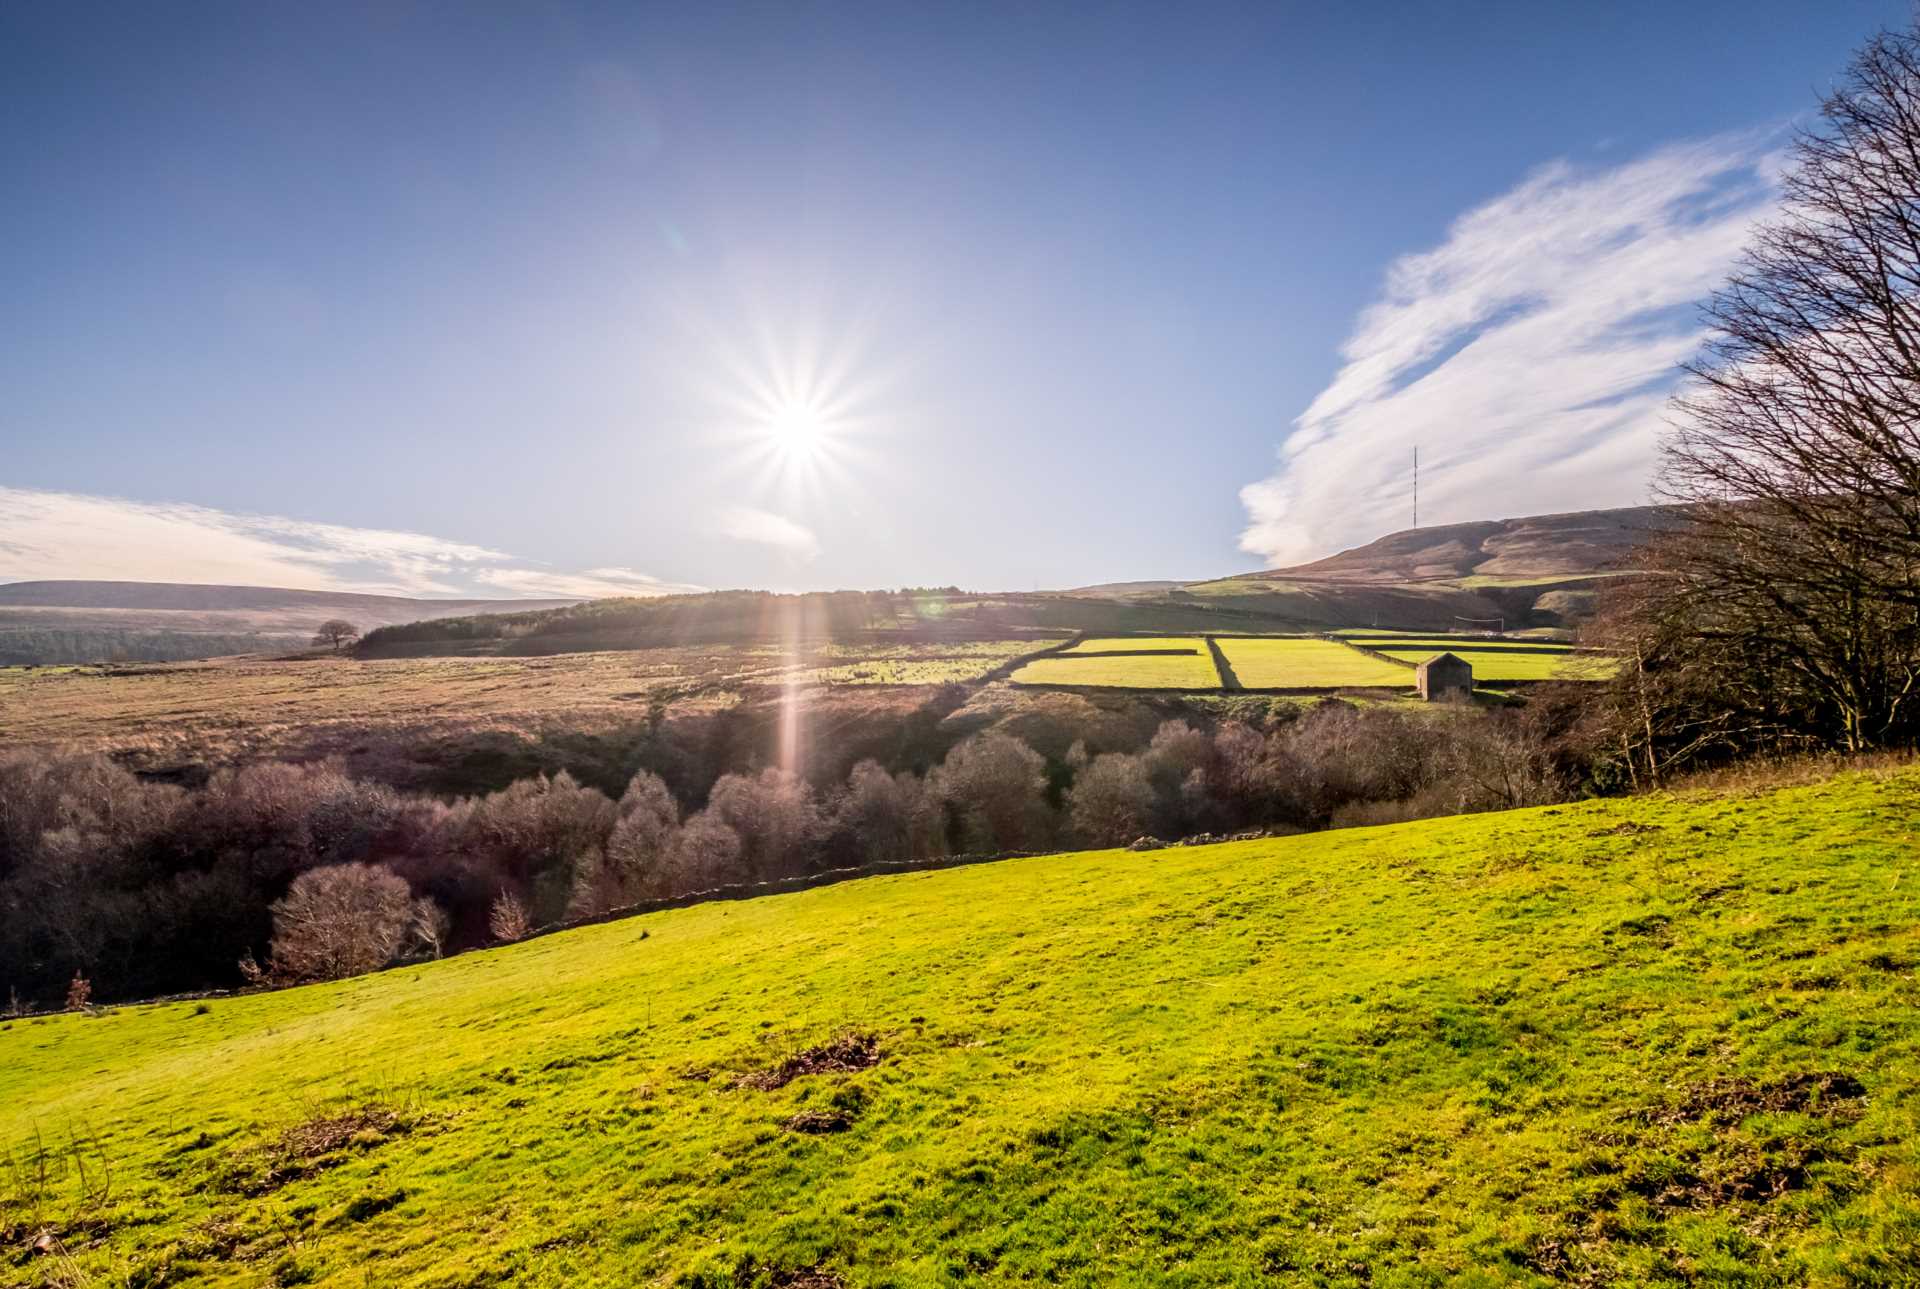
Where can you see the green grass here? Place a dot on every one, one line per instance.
(1307, 664)
(1137, 644)
(1656, 1041)
(1499, 664)
(1150, 671)
(1495, 660)
(1128, 664)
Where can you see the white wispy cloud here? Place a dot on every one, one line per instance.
(589, 584)
(1529, 356)
(59, 535)
(745, 524)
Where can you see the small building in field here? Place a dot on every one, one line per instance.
(1444, 676)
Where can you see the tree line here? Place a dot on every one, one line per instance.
(291, 871)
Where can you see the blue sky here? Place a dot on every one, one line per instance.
(524, 299)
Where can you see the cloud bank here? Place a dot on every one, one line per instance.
(764, 528)
(59, 535)
(1529, 356)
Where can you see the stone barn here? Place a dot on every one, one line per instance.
(1444, 676)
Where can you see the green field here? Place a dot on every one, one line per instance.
(1654, 1041)
(1496, 664)
(1308, 664)
(1137, 644)
(1494, 660)
(1128, 664)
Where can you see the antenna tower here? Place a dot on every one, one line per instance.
(1416, 486)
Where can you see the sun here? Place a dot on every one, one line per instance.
(797, 429)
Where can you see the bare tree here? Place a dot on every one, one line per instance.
(336, 632)
(774, 815)
(337, 921)
(888, 816)
(546, 834)
(429, 927)
(705, 853)
(1797, 446)
(1111, 802)
(507, 920)
(645, 823)
(996, 787)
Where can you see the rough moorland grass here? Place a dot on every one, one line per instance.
(250, 701)
(1124, 662)
(1308, 664)
(1658, 1041)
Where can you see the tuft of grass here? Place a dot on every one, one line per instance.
(1666, 1040)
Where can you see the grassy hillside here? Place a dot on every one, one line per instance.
(853, 617)
(1662, 1040)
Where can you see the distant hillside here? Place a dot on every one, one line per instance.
(761, 617)
(1535, 573)
(89, 621)
(1537, 547)
(1114, 590)
(1539, 572)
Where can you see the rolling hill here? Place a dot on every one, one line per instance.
(95, 621)
(1539, 572)
(1665, 1040)
(1583, 543)
(1534, 573)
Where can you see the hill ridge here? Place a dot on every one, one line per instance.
(1567, 543)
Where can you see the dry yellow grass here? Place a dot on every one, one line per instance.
(243, 707)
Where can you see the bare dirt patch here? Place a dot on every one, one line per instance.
(1627, 829)
(1733, 1099)
(819, 1122)
(843, 1054)
(1743, 1174)
(807, 1278)
(313, 1145)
